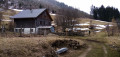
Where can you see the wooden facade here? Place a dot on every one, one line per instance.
(43, 19)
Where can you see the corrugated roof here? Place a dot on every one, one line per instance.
(1, 9)
(29, 13)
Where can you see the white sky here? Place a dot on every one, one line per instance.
(85, 5)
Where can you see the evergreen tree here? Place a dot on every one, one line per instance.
(105, 14)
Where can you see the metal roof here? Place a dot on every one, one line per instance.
(1, 9)
(29, 13)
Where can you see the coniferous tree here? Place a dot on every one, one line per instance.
(105, 14)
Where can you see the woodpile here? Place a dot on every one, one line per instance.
(66, 43)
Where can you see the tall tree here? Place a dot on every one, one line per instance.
(0, 17)
(105, 14)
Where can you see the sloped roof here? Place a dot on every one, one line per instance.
(1, 9)
(29, 13)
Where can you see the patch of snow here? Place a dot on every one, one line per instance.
(11, 7)
(17, 10)
(80, 28)
(52, 14)
(102, 26)
(52, 24)
(7, 20)
(110, 25)
(82, 24)
(99, 28)
(98, 31)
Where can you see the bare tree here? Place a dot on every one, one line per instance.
(67, 19)
(0, 19)
(92, 28)
(118, 25)
(6, 4)
(108, 30)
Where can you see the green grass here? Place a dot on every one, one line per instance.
(97, 37)
(112, 52)
(97, 48)
(26, 47)
(97, 51)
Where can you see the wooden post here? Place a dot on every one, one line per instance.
(66, 32)
(30, 32)
(35, 27)
(21, 31)
(45, 32)
(2, 29)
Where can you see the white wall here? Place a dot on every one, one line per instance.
(26, 30)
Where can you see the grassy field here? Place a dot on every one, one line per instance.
(87, 20)
(98, 41)
(38, 46)
(31, 47)
(23, 47)
(96, 51)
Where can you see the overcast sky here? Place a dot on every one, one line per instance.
(85, 5)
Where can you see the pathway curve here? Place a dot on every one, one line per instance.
(86, 52)
(105, 51)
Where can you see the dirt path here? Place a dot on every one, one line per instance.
(105, 51)
(85, 53)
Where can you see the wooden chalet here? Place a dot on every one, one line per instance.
(33, 21)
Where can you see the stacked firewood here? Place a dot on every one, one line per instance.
(74, 44)
(66, 43)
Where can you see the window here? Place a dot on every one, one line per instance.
(19, 30)
(22, 30)
(40, 22)
(16, 30)
(31, 30)
(49, 23)
(44, 23)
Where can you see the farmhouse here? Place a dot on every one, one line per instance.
(33, 21)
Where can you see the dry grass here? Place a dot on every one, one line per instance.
(114, 40)
(24, 47)
(30, 47)
(8, 13)
(84, 20)
(6, 16)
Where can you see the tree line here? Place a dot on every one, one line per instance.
(105, 13)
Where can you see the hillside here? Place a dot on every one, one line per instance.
(51, 5)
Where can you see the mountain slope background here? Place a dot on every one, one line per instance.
(52, 5)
